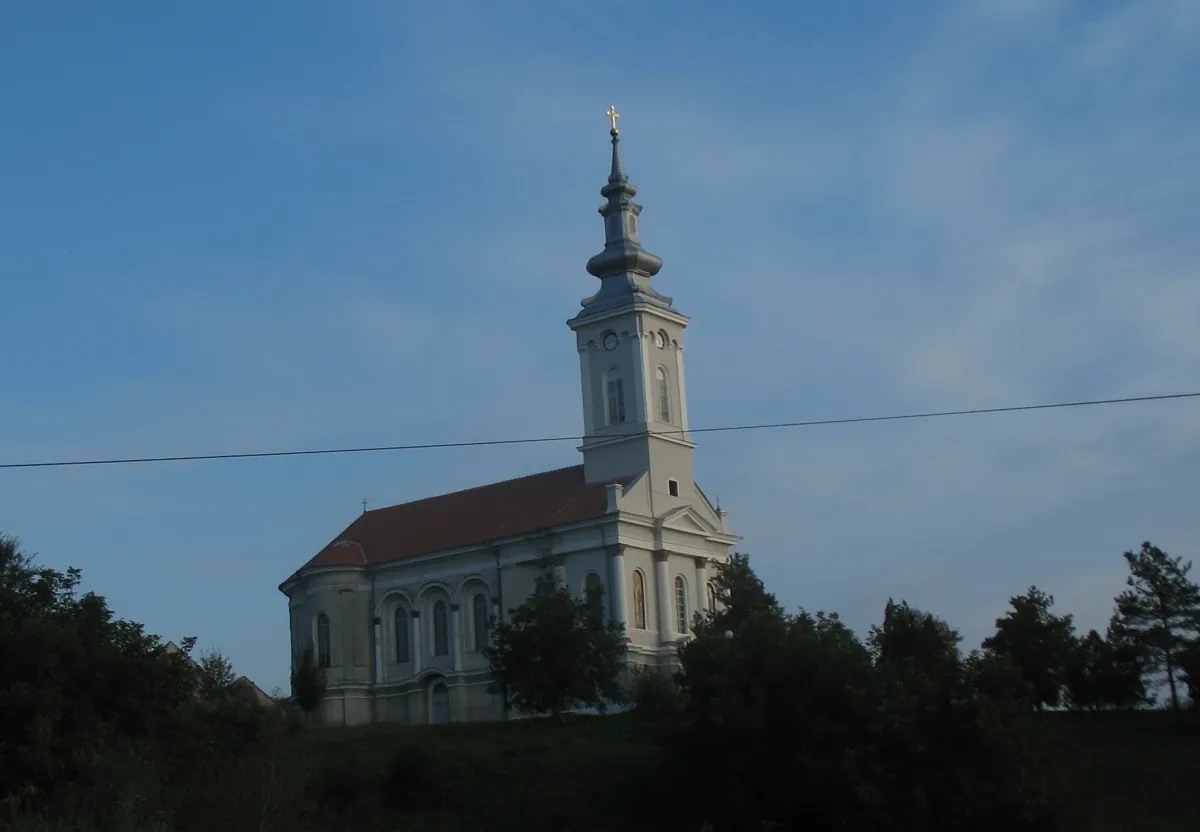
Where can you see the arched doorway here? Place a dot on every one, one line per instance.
(439, 703)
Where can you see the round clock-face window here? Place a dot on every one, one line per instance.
(660, 340)
(610, 340)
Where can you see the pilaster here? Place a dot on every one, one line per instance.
(378, 632)
(662, 591)
(702, 584)
(616, 582)
(683, 412)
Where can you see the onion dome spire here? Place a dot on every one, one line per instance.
(624, 267)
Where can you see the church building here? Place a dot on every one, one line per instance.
(396, 607)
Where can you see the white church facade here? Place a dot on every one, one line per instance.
(396, 606)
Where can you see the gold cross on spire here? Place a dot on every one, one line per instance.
(613, 115)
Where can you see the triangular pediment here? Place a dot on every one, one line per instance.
(686, 519)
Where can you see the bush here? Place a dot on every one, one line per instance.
(339, 786)
(654, 694)
(415, 780)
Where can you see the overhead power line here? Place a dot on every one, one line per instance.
(486, 442)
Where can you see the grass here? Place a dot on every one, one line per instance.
(529, 774)
(1110, 772)
(1125, 771)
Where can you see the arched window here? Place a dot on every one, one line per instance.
(639, 600)
(479, 615)
(401, 633)
(324, 657)
(614, 397)
(664, 395)
(441, 639)
(712, 597)
(681, 616)
(592, 587)
(439, 703)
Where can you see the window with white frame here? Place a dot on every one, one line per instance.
(324, 651)
(639, 600)
(664, 395)
(592, 586)
(479, 618)
(400, 633)
(441, 634)
(614, 398)
(712, 597)
(681, 611)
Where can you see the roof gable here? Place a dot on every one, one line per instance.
(465, 518)
(687, 519)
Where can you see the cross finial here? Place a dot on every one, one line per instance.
(613, 115)
(364, 506)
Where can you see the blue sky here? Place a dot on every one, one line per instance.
(234, 227)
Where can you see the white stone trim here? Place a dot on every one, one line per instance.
(683, 409)
(671, 315)
(585, 375)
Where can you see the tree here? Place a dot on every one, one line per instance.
(803, 725)
(308, 681)
(557, 652)
(1038, 642)
(1160, 611)
(1106, 671)
(740, 595)
(915, 641)
(1189, 667)
(76, 679)
(215, 676)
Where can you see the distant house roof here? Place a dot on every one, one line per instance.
(242, 686)
(465, 518)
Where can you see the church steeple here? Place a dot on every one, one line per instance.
(630, 343)
(624, 267)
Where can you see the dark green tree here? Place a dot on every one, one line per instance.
(1189, 671)
(1160, 611)
(1038, 642)
(800, 725)
(740, 595)
(308, 681)
(1081, 677)
(1106, 672)
(557, 652)
(915, 641)
(75, 680)
(215, 676)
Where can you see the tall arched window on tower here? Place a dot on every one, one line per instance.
(324, 654)
(400, 632)
(681, 612)
(614, 397)
(441, 639)
(479, 613)
(664, 395)
(639, 600)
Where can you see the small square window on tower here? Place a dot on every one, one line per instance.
(673, 487)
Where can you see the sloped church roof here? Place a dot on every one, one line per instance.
(466, 518)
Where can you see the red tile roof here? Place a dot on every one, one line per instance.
(464, 518)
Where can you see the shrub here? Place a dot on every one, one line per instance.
(414, 780)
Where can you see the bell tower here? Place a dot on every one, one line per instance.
(630, 342)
